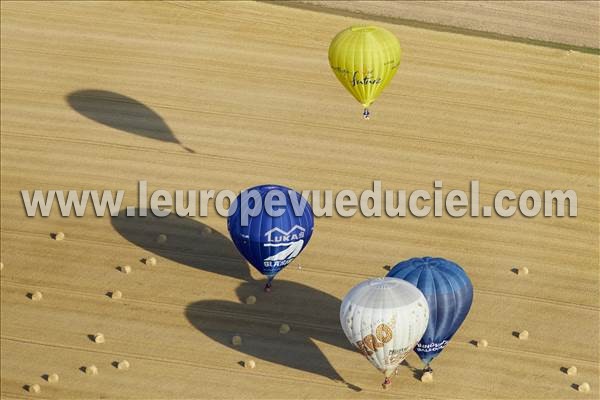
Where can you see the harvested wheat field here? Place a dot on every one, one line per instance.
(99, 95)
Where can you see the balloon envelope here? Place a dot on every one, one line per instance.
(364, 59)
(449, 294)
(269, 242)
(384, 318)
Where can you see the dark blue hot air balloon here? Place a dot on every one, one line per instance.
(449, 294)
(270, 236)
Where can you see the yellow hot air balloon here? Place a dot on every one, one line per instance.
(364, 59)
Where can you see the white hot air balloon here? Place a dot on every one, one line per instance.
(384, 319)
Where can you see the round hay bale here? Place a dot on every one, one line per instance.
(161, 239)
(249, 364)
(251, 300)
(116, 294)
(34, 388)
(126, 269)
(123, 364)
(284, 329)
(36, 296)
(151, 261)
(427, 377)
(482, 343)
(523, 271)
(59, 236)
(91, 370)
(236, 340)
(53, 378)
(584, 387)
(99, 338)
(523, 335)
(572, 370)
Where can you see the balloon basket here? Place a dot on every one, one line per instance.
(268, 285)
(366, 114)
(386, 384)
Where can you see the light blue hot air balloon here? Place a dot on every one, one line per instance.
(270, 242)
(449, 294)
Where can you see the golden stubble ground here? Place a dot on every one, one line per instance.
(248, 90)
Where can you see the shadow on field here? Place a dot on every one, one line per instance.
(311, 314)
(122, 113)
(416, 372)
(188, 242)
